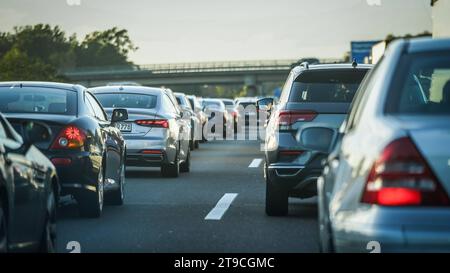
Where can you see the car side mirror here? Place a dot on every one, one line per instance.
(119, 114)
(35, 132)
(317, 138)
(264, 104)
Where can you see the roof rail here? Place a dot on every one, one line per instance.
(305, 65)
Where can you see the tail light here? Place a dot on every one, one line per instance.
(291, 153)
(234, 113)
(402, 177)
(152, 152)
(71, 137)
(287, 117)
(162, 123)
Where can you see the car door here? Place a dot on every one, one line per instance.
(112, 142)
(27, 191)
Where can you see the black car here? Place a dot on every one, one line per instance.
(86, 148)
(29, 190)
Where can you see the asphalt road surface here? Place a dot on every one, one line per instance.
(189, 213)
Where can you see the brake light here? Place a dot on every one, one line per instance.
(291, 152)
(402, 177)
(70, 137)
(152, 152)
(162, 123)
(288, 117)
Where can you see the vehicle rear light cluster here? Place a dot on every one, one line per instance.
(402, 177)
(70, 137)
(162, 123)
(291, 153)
(289, 117)
(152, 152)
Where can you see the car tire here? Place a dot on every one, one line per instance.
(117, 196)
(191, 145)
(185, 167)
(48, 240)
(276, 199)
(326, 241)
(3, 231)
(197, 144)
(171, 169)
(91, 203)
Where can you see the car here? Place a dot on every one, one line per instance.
(217, 114)
(86, 148)
(196, 127)
(246, 113)
(198, 109)
(29, 190)
(312, 94)
(387, 183)
(232, 112)
(155, 133)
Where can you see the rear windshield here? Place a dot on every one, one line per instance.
(183, 102)
(126, 100)
(212, 104)
(245, 104)
(422, 85)
(327, 86)
(228, 103)
(37, 100)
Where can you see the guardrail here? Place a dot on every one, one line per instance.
(228, 66)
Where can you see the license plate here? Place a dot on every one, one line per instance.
(123, 126)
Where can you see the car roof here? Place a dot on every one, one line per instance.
(179, 94)
(417, 45)
(127, 89)
(323, 67)
(56, 85)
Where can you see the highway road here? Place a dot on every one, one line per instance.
(218, 207)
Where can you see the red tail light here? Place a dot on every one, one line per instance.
(152, 152)
(292, 152)
(71, 137)
(162, 123)
(234, 113)
(402, 177)
(287, 117)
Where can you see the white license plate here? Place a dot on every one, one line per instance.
(123, 126)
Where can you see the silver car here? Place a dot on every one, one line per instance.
(155, 133)
(386, 186)
(195, 123)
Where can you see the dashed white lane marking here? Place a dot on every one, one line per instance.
(255, 163)
(221, 207)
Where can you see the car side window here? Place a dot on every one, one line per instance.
(286, 89)
(98, 111)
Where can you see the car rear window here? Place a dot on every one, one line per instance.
(245, 104)
(228, 103)
(422, 85)
(127, 100)
(30, 99)
(338, 86)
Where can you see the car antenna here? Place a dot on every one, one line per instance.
(305, 65)
(354, 63)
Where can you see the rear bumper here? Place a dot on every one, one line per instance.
(394, 229)
(80, 174)
(136, 157)
(298, 180)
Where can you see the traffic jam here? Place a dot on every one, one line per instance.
(350, 157)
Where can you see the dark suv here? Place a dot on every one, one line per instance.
(316, 95)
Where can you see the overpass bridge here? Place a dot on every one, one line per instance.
(249, 73)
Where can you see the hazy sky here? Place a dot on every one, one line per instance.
(208, 30)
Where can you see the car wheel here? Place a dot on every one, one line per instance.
(3, 232)
(171, 169)
(90, 202)
(48, 240)
(185, 167)
(197, 144)
(191, 145)
(276, 199)
(117, 196)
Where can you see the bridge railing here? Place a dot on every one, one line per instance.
(228, 66)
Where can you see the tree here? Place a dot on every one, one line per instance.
(16, 65)
(109, 47)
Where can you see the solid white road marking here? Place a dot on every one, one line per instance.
(221, 207)
(255, 163)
